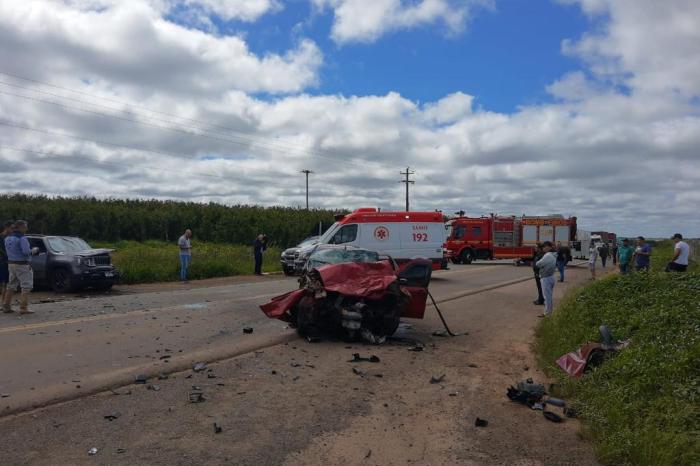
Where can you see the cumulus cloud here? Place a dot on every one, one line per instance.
(245, 10)
(368, 20)
(164, 111)
(131, 44)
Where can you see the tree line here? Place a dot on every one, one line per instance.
(140, 220)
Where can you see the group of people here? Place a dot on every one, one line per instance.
(185, 245)
(547, 259)
(15, 266)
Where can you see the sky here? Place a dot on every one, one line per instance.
(580, 107)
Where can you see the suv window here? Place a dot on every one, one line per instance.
(347, 234)
(37, 243)
(67, 244)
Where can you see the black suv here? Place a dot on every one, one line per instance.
(67, 263)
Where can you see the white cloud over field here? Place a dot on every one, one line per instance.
(171, 112)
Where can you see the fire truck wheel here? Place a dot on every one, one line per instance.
(466, 257)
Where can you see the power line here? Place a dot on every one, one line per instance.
(407, 181)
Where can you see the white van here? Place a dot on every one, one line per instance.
(402, 235)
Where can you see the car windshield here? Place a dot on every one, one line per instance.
(67, 244)
(340, 255)
(325, 238)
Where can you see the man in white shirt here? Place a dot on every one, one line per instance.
(681, 254)
(547, 265)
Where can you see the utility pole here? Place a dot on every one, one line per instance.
(307, 172)
(408, 181)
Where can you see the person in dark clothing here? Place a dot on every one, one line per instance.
(563, 258)
(604, 252)
(614, 250)
(4, 270)
(259, 247)
(536, 257)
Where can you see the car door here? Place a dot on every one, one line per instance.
(39, 261)
(415, 278)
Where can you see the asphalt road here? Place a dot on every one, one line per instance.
(83, 345)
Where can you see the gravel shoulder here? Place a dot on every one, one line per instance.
(301, 403)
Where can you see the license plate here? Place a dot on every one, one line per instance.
(109, 274)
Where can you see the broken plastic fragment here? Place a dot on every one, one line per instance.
(92, 451)
(112, 416)
(217, 428)
(480, 422)
(552, 416)
(437, 379)
(248, 330)
(199, 367)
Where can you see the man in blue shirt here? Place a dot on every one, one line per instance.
(642, 255)
(19, 255)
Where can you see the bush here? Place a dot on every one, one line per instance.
(158, 261)
(641, 406)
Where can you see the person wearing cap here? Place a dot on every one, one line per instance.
(681, 254)
(4, 271)
(19, 254)
(624, 256)
(642, 254)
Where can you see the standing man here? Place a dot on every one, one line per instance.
(547, 265)
(624, 255)
(592, 258)
(537, 255)
(563, 258)
(259, 247)
(614, 250)
(185, 254)
(642, 255)
(19, 254)
(4, 271)
(604, 253)
(681, 254)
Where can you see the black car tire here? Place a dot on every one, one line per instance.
(289, 271)
(466, 256)
(61, 281)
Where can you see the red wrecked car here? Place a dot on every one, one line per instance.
(353, 293)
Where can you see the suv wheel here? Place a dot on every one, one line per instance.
(61, 281)
(466, 257)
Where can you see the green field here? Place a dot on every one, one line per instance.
(641, 406)
(158, 261)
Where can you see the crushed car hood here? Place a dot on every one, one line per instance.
(359, 280)
(93, 252)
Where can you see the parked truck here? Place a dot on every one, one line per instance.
(501, 237)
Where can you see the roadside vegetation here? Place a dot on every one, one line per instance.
(641, 406)
(158, 261)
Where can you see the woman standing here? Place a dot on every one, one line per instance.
(592, 257)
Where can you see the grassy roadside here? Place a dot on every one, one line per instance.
(158, 261)
(643, 405)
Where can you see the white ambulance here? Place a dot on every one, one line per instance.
(402, 235)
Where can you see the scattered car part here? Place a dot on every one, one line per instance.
(526, 392)
(556, 402)
(141, 379)
(357, 358)
(199, 367)
(248, 330)
(217, 428)
(112, 416)
(92, 451)
(570, 412)
(554, 417)
(437, 378)
(480, 422)
(576, 363)
(196, 397)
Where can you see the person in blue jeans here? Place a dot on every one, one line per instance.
(625, 253)
(563, 258)
(259, 247)
(642, 255)
(185, 254)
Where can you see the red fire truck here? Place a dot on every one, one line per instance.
(497, 237)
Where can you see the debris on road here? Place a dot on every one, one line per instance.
(162, 376)
(199, 367)
(92, 451)
(440, 333)
(247, 330)
(416, 349)
(556, 402)
(112, 416)
(357, 358)
(480, 422)
(217, 428)
(526, 392)
(570, 412)
(437, 379)
(141, 379)
(359, 372)
(196, 397)
(153, 387)
(550, 416)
